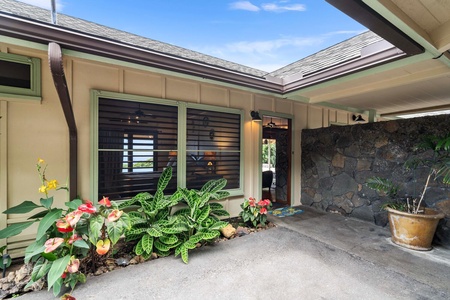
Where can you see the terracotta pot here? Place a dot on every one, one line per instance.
(413, 231)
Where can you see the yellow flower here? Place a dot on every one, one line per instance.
(52, 184)
(43, 189)
(40, 161)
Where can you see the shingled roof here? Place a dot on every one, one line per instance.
(345, 51)
(43, 15)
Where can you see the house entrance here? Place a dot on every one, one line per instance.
(276, 160)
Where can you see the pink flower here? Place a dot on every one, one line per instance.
(263, 211)
(87, 207)
(73, 265)
(264, 202)
(115, 215)
(73, 217)
(103, 246)
(252, 201)
(52, 244)
(63, 226)
(105, 201)
(74, 238)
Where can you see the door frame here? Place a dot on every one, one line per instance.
(291, 175)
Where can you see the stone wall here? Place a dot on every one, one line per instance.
(337, 160)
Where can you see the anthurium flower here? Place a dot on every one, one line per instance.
(263, 211)
(251, 201)
(103, 246)
(105, 201)
(115, 215)
(73, 217)
(87, 207)
(68, 297)
(63, 226)
(52, 244)
(74, 238)
(73, 265)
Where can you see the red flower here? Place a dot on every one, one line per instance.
(252, 201)
(263, 211)
(64, 275)
(63, 226)
(87, 207)
(68, 297)
(105, 201)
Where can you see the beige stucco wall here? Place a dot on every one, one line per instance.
(31, 129)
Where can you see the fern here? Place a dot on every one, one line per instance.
(383, 185)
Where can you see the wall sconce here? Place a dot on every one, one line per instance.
(255, 116)
(358, 118)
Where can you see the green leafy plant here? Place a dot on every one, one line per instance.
(200, 217)
(152, 225)
(68, 238)
(255, 213)
(437, 163)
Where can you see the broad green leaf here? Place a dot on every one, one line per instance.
(204, 214)
(220, 213)
(219, 195)
(183, 211)
(153, 231)
(138, 249)
(36, 269)
(57, 287)
(196, 238)
(14, 229)
(74, 204)
(128, 203)
(162, 253)
(32, 250)
(146, 255)
(57, 270)
(161, 246)
(49, 256)
(38, 215)
(215, 206)
(190, 245)
(213, 186)
(184, 254)
(147, 243)
(47, 222)
(218, 225)
(81, 244)
(47, 202)
(169, 239)
(22, 208)
(95, 226)
(115, 231)
(211, 234)
(164, 178)
(137, 231)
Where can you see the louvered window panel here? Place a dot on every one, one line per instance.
(212, 148)
(136, 141)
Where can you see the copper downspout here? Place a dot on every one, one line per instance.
(57, 70)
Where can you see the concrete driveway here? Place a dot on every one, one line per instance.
(307, 256)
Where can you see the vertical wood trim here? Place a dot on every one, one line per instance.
(3, 166)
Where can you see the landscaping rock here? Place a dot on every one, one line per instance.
(228, 231)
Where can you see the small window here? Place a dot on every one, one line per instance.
(19, 75)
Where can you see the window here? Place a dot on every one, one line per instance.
(137, 138)
(19, 75)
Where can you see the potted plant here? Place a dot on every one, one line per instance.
(412, 225)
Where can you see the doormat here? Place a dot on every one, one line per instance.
(285, 211)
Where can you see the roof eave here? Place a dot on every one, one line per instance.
(44, 33)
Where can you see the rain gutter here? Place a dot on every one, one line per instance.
(59, 79)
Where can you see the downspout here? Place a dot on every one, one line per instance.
(59, 79)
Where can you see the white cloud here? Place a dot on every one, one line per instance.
(244, 5)
(277, 8)
(265, 47)
(44, 3)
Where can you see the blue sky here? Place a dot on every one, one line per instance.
(264, 34)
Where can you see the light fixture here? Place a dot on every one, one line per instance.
(255, 116)
(358, 118)
(271, 124)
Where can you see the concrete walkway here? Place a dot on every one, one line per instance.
(307, 256)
